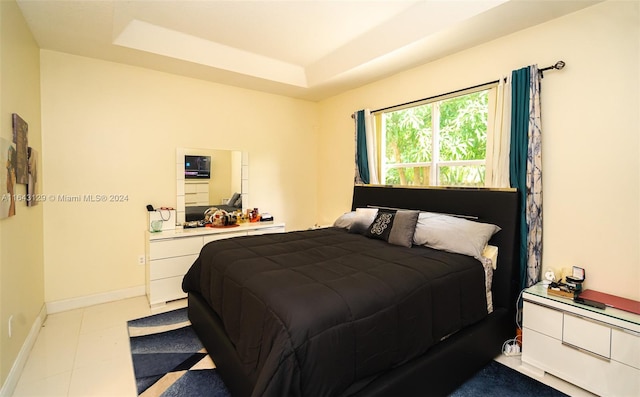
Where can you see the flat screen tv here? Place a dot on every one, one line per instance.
(197, 167)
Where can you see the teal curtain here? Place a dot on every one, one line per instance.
(525, 169)
(518, 155)
(362, 160)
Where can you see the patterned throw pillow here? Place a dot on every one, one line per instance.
(381, 226)
(395, 227)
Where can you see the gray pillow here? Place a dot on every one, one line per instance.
(233, 199)
(404, 226)
(345, 220)
(453, 234)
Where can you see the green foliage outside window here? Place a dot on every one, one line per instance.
(461, 133)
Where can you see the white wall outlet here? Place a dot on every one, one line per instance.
(141, 260)
(10, 325)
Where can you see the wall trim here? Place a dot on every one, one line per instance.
(9, 386)
(90, 300)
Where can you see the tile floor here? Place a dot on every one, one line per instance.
(85, 352)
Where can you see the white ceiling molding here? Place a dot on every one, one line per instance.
(147, 37)
(309, 49)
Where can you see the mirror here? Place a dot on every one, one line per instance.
(198, 190)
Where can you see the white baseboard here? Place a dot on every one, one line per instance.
(90, 300)
(11, 382)
(55, 307)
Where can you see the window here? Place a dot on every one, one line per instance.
(438, 143)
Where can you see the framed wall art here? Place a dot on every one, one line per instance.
(20, 131)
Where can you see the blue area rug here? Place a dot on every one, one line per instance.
(499, 380)
(169, 361)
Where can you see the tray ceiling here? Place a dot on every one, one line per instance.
(310, 49)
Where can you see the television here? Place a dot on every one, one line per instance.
(197, 167)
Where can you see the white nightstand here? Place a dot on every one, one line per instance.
(596, 349)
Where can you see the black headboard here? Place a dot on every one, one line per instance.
(499, 207)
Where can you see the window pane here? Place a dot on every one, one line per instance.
(463, 127)
(408, 135)
(462, 175)
(411, 176)
(458, 128)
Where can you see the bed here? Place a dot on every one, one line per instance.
(335, 312)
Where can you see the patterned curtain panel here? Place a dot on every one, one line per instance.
(534, 181)
(525, 168)
(366, 152)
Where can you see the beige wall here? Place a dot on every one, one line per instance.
(21, 246)
(113, 129)
(591, 131)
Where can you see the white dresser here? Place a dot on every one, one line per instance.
(170, 253)
(596, 349)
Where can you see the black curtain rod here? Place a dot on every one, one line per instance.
(435, 96)
(558, 65)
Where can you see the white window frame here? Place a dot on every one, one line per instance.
(435, 164)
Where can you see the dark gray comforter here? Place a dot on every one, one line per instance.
(314, 312)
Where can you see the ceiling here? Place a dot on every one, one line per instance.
(309, 49)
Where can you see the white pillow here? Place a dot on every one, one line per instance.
(363, 219)
(452, 234)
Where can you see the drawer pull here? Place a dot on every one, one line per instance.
(628, 331)
(596, 355)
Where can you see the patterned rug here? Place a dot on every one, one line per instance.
(169, 361)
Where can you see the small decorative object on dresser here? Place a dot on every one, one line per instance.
(596, 349)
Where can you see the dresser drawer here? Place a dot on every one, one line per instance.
(542, 319)
(625, 347)
(174, 247)
(222, 236)
(586, 334)
(165, 290)
(170, 267)
(269, 230)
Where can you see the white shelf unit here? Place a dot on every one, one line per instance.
(595, 349)
(170, 254)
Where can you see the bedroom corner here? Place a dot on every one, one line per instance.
(21, 235)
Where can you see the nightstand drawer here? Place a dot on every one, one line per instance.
(542, 319)
(625, 347)
(586, 334)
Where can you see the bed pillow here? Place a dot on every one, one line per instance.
(345, 220)
(449, 233)
(238, 202)
(233, 199)
(362, 220)
(395, 227)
